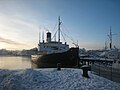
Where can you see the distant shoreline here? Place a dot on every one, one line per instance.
(15, 55)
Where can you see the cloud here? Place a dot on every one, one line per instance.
(8, 41)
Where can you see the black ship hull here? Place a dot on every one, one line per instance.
(69, 58)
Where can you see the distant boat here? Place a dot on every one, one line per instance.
(113, 54)
(50, 53)
(110, 57)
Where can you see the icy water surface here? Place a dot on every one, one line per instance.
(13, 62)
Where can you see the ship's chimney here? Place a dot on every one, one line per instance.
(48, 37)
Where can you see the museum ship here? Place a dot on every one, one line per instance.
(50, 53)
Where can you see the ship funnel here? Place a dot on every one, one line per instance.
(48, 37)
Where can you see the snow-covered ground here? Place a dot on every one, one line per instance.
(51, 79)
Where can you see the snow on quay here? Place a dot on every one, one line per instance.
(51, 79)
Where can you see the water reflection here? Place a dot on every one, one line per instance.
(11, 62)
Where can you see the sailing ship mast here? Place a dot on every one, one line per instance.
(59, 23)
(110, 36)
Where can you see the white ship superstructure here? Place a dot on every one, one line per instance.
(52, 46)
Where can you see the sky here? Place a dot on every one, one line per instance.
(84, 21)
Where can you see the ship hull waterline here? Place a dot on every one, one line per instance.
(67, 59)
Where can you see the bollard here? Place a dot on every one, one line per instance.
(58, 66)
(85, 69)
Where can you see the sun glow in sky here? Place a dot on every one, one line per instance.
(87, 21)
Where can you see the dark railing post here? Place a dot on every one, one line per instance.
(58, 66)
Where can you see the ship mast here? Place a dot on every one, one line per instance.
(110, 37)
(59, 23)
(39, 37)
